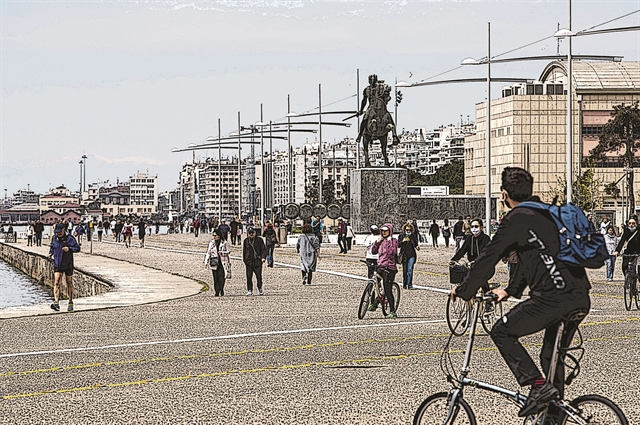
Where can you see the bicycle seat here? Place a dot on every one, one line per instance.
(575, 315)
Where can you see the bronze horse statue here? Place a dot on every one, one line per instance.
(377, 121)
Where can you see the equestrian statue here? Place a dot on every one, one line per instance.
(377, 121)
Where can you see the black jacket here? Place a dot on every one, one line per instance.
(270, 236)
(234, 227)
(633, 247)
(457, 228)
(472, 246)
(253, 251)
(534, 237)
(407, 247)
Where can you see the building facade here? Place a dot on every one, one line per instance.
(143, 194)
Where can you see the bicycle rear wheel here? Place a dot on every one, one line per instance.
(491, 313)
(365, 300)
(434, 410)
(595, 409)
(386, 309)
(458, 315)
(636, 294)
(628, 281)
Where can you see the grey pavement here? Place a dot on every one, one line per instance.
(134, 284)
(297, 355)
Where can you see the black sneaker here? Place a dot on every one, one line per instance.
(55, 307)
(538, 399)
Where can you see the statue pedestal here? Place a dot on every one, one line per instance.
(378, 196)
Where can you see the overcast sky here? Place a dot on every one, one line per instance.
(124, 82)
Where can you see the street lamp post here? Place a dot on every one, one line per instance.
(289, 173)
(219, 175)
(357, 109)
(320, 141)
(84, 167)
(239, 173)
(262, 174)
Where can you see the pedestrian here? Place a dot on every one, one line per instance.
(38, 229)
(233, 226)
(350, 235)
(341, 229)
(271, 240)
(370, 257)
(78, 232)
(466, 227)
(181, 226)
(142, 231)
(458, 233)
(63, 245)
(408, 244)
(318, 227)
(117, 230)
(224, 231)
(434, 232)
(604, 225)
(127, 232)
(107, 226)
(446, 232)
(254, 254)
(217, 259)
(612, 243)
(387, 249)
(196, 227)
(239, 233)
(30, 233)
(100, 230)
(308, 247)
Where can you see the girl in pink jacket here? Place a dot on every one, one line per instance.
(387, 249)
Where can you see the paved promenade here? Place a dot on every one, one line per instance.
(297, 355)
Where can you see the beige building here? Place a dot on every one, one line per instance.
(528, 125)
(143, 194)
(58, 196)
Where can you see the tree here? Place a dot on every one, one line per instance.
(451, 175)
(587, 190)
(621, 136)
(328, 192)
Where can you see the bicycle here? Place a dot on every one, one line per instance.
(374, 294)
(459, 313)
(447, 408)
(631, 283)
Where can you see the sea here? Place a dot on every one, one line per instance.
(18, 289)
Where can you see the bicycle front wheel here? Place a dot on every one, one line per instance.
(636, 294)
(365, 300)
(595, 409)
(386, 308)
(491, 313)
(628, 284)
(434, 411)
(458, 315)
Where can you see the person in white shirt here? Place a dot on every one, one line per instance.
(371, 258)
(611, 240)
(604, 225)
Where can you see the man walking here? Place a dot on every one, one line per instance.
(224, 230)
(38, 228)
(63, 245)
(342, 236)
(254, 254)
(458, 233)
(234, 231)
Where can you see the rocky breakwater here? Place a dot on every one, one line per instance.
(40, 267)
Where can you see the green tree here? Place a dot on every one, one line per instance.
(451, 175)
(621, 136)
(587, 190)
(328, 191)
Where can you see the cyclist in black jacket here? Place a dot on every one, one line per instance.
(632, 239)
(556, 288)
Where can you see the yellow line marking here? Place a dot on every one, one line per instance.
(125, 384)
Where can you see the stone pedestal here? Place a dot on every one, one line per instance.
(378, 196)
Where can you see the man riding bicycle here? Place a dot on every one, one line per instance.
(631, 238)
(556, 289)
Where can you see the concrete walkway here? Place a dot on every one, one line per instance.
(133, 285)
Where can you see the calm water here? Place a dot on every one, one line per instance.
(18, 289)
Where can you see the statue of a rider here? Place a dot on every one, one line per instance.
(377, 118)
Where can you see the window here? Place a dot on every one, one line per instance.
(530, 89)
(538, 88)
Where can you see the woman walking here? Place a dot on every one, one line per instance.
(446, 232)
(142, 231)
(271, 240)
(30, 233)
(215, 259)
(309, 249)
(434, 231)
(127, 231)
(100, 231)
(408, 244)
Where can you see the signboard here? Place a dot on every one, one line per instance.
(426, 191)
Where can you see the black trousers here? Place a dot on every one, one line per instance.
(349, 240)
(388, 277)
(251, 270)
(233, 238)
(530, 317)
(308, 275)
(371, 267)
(342, 243)
(218, 280)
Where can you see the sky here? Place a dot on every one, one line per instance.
(124, 82)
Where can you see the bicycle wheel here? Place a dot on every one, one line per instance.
(458, 316)
(491, 313)
(395, 289)
(364, 301)
(434, 410)
(595, 409)
(628, 281)
(636, 294)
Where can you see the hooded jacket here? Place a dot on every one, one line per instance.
(387, 250)
(56, 251)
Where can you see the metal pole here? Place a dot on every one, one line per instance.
(239, 174)
(320, 139)
(488, 138)
(271, 170)
(80, 188)
(262, 185)
(289, 173)
(358, 109)
(334, 169)
(84, 166)
(395, 116)
(219, 174)
(569, 118)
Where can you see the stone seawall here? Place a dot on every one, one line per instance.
(40, 267)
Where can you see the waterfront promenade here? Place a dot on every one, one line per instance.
(297, 355)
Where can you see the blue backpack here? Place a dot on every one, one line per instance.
(580, 244)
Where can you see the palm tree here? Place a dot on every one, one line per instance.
(621, 135)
